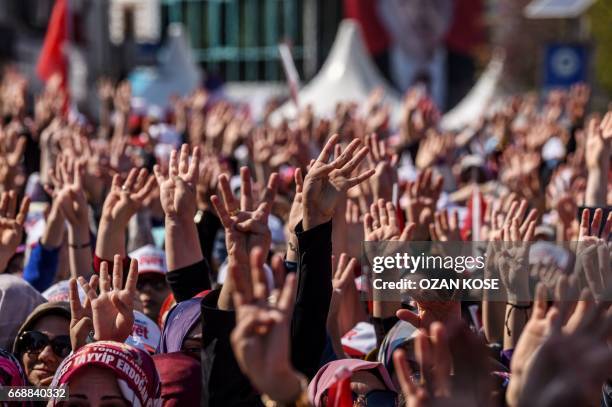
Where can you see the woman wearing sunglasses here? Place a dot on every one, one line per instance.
(43, 341)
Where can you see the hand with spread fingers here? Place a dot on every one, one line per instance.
(113, 308)
(512, 259)
(452, 369)
(178, 194)
(69, 195)
(11, 225)
(593, 253)
(385, 171)
(245, 224)
(260, 339)
(445, 228)
(325, 183)
(423, 194)
(570, 365)
(121, 203)
(381, 224)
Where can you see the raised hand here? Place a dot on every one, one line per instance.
(445, 229)
(382, 224)
(124, 200)
(384, 164)
(606, 126)
(11, 225)
(295, 216)
(113, 308)
(593, 253)
(260, 339)
(12, 147)
(67, 182)
(574, 375)
(437, 352)
(326, 183)
(423, 194)
(81, 322)
(178, 188)
(245, 224)
(512, 259)
(344, 309)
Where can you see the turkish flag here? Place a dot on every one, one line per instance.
(52, 58)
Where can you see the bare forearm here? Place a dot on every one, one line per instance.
(110, 241)
(516, 317)
(54, 230)
(79, 252)
(493, 320)
(182, 244)
(595, 194)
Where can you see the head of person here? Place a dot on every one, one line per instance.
(43, 341)
(181, 378)
(152, 286)
(17, 300)
(183, 329)
(109, 373)
(370, 383)
(11, 373)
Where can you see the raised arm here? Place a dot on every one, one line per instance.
(122, 202)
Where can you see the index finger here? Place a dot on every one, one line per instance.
(132, 278)
(328, 149)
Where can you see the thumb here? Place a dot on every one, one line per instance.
(409, 316)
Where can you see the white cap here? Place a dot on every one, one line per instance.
(145, 333)
(150, 259)
(60, 291)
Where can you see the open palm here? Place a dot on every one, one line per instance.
(113, 308)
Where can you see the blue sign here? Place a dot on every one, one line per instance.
(566, 64)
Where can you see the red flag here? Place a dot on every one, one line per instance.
(339, 394)
(52, 59)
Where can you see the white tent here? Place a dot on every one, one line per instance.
(479, 98)
(347, 75)
(176, 74)
(557, 8)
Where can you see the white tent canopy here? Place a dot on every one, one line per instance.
(479, 98)
(557, 8)
(347, 75)
(176, 74)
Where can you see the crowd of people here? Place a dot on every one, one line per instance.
(191, 255)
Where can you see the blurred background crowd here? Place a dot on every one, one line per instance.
(183, 200)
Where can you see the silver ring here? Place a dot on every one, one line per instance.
(124, 188)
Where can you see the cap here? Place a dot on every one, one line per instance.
(145, 333)
(150, 259)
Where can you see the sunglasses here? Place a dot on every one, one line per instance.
(35, 342)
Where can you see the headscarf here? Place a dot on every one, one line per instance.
(181, 378)
(48, 308)
(181, 319)
(326, 376)
(11, 373)
(401, 333)
(134, 368)
(17, 300)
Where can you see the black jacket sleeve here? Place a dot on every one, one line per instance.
(308, 327)
(208, 224)
(223, 382)
(188, 281)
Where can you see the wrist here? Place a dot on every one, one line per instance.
(312, 220)
(285, 388)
